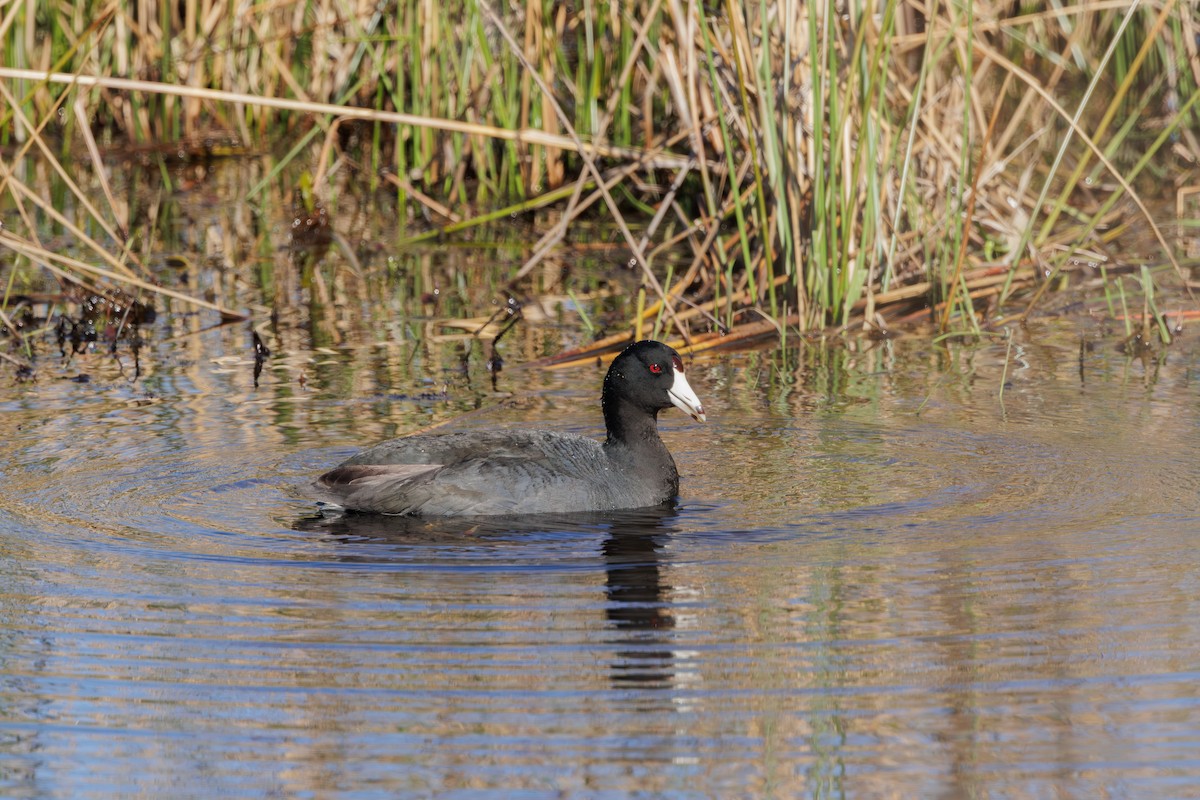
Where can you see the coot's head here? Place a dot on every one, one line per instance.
(650, 376)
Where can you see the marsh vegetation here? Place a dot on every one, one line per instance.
(757, 168)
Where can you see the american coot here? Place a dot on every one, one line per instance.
(532, 472)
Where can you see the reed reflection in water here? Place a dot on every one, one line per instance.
(870, 588)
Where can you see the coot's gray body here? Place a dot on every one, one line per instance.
(532, 472)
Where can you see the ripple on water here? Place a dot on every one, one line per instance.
(862, 602)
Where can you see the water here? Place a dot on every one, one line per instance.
(898, 569)
(886, 578)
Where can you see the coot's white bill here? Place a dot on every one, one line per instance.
(683, 398)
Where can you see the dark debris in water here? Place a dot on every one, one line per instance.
(311, 229)
(76, 321)
(117, 307)
(203, 147)
(511, 312)
(261, 354)
(310, 217)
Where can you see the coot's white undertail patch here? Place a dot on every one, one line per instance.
(532, 472)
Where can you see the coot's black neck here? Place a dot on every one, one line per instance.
(628, 423)
(633, 440)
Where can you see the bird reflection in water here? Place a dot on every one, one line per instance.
(638, 605)
(637, 598)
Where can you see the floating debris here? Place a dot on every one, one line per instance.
(310, 217)
(75, 320)
(261, 354)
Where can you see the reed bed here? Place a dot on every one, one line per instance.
(820, 165)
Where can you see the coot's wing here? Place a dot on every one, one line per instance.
(480, 472)
(381, 488)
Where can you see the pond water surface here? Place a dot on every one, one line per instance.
(897, 568)
(886, 577)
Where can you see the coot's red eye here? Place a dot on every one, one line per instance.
(656, 368)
